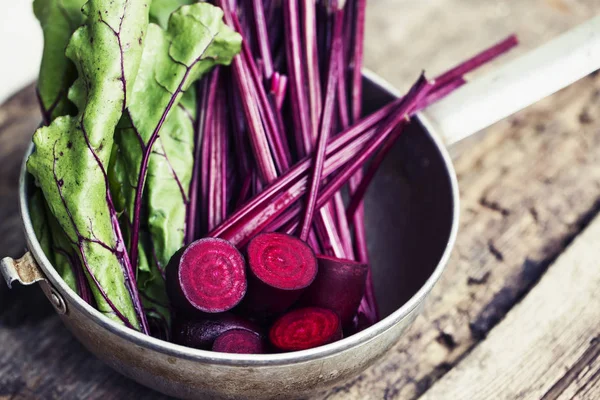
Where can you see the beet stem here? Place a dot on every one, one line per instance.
(247, 88)
(341, 141)
(326, 122)
(296, 73)
(217, 176)
(346, 140)
(478, 60)
(206, 146)
(312, 62)
(262, 217)
(262, 37)
(361, 190)
(192, 209)
(135, 224)
(359, 34)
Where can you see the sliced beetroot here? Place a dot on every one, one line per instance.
(201, 333)
(339, 286)
(281, 267)
(239, 341)
(305, 328)
(208, 275)
(281, 261)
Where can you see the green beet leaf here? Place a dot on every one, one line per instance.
(39, 220)
(160, 10)
(72, 154)
(58, 19)
(151, 283)
(56, 246)
(157, 139)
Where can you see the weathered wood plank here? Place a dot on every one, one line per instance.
(404, 36)
(527, 188)
(548, 346)
(582, 380)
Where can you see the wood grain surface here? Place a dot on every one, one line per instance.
(548, 346)
(529, 185)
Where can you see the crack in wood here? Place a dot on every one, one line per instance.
(573, 373)
(495, 251)
(493, 206)
(482, 280)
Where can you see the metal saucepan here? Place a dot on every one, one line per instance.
(412, 220)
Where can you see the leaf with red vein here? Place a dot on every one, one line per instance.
(171, 63)
(72, 154)
(58, 19)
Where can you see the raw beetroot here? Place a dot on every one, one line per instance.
(339, 286)
(239, 341)
(280, 267)
(305, 328)
(208, 275)
(202, 332)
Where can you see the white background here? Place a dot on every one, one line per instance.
(436, 41)
(20, 46)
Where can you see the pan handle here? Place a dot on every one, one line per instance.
(517, 84)
(26, 271)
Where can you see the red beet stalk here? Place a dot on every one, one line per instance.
(280, 268)
(268, 212)
(305, 328)
(200, 147)
(239, 341)
(297, 78)
(262, 37)
(209, 275)
(216, 200)
(311, 57)
(444, 85)
(234, 227)
(339, 286)
(325, 125)
(479, 59)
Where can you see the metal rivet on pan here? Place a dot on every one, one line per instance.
(57, 302)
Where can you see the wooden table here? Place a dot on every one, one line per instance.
(516, 314)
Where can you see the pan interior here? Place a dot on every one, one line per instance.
(408, 211)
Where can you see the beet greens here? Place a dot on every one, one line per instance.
(72, 154)
(58, 19)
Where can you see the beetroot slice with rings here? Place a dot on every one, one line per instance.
(208, 275)
(239, 341)
(280, 268)
(305, 328)
(281, 261)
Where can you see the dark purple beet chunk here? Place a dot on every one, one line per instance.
(239, 341)
(339, 286)
(201, 333)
